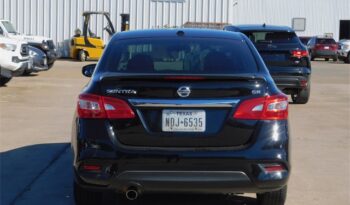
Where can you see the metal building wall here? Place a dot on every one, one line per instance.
(59, 18)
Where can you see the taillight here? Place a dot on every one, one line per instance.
(334, 47)
(319, 46)
(300, 53)
(91, 167)
(264, 108)
(94, 106)
(271, 168)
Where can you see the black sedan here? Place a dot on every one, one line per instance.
(182, 111)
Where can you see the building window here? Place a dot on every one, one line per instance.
(299, 24)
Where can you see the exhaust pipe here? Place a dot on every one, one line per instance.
(132, 193)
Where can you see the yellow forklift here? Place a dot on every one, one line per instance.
(87, 45)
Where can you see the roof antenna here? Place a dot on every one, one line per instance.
(264, 25)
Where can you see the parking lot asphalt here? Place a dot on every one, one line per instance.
(35, 121)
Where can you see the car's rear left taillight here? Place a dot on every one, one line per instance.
(264, 108)
(300, 53)
(95, 106)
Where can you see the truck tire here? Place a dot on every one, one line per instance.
(273, 198)
(302, 96)
(326, 59)
(335, 59)
(85, 197)
(82, 56)
(4, 80)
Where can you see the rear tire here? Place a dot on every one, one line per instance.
(326, 59)
(4, 80)
(82, 56)
(85, 197)
(273, 198)
(302, 96)
(335, 59)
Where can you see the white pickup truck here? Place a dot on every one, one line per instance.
(14, 58)
(43, 43)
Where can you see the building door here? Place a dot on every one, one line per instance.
(344, 30)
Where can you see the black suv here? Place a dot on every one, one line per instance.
(285, 56)
(190, 111)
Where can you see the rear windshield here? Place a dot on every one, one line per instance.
(325, 41)
(178, 55)
(304, 40)
(263, 37)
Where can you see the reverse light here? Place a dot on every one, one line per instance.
(95, 106)
(264, 108)
(300, 53)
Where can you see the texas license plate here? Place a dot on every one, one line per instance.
(183, 121)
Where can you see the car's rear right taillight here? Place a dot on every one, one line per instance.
(334, 47)
(95, 106)
(264, 108)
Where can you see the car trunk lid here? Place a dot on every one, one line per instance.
(165, 119)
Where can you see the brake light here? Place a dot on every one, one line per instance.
(264, 108)
(334, 47)
(300, 53)
(184, 78)
(94, 106)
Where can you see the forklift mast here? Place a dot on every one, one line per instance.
(87, 17)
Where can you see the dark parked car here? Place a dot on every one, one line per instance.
(323, 47)
(304, 39)
(285, 56)
(39, 61)
(191, 111)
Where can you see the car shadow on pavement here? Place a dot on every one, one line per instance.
(28, 75)
(190, 199)
(42, 174)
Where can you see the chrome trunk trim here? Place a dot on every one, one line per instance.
(181, 103)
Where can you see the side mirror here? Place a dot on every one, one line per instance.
(88, 70)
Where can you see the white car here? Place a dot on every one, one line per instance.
(344, 50)
(43, 43)
(14, 59)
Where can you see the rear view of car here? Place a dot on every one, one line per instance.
(323, 47)
(180, 111)
(285, 56)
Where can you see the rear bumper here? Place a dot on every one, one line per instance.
(200, 170)
(287, 82)
(324, 53)
(290, 77)
(147, 181)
